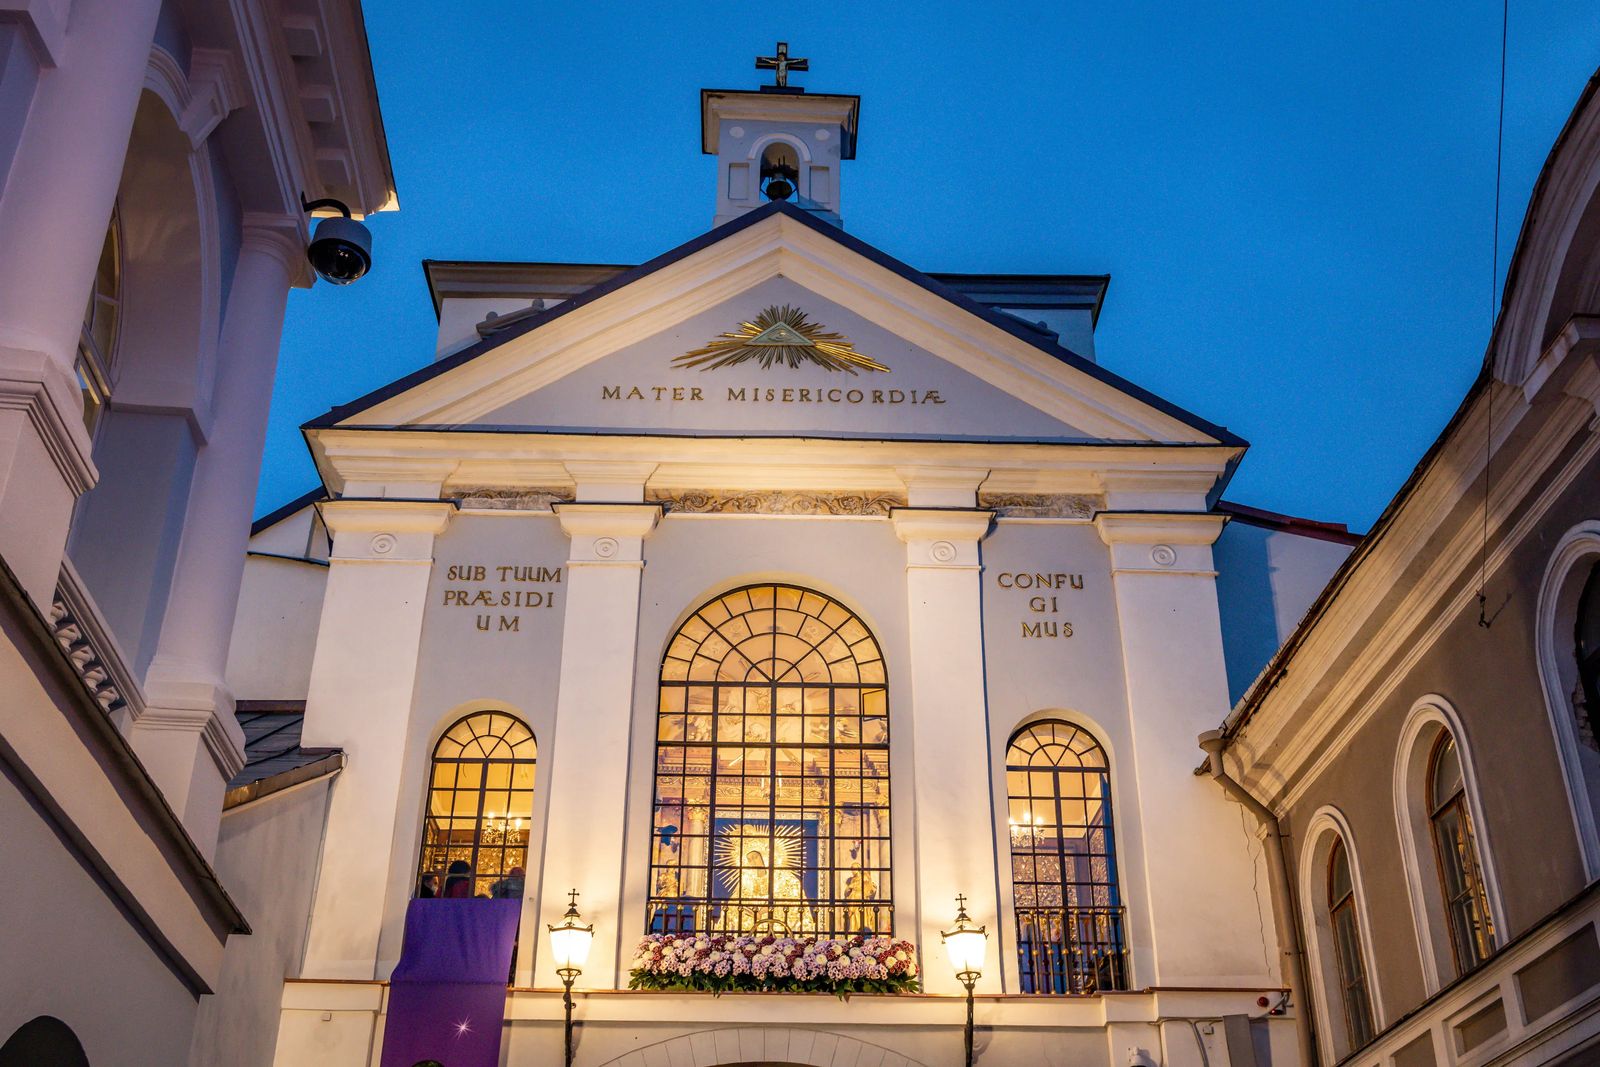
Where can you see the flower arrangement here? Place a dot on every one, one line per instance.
(723, 963)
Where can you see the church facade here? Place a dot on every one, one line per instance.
(771, 587)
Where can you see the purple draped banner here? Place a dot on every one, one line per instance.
(447, 996)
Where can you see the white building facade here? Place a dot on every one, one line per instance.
(792, 589)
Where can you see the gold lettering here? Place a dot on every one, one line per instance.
(677, 392)
(734, 394)
(634, 394)
(694, 392)
(611, 392)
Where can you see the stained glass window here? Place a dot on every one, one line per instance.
(1465, 903)
(480, 807)
(771, 807)
(1063, 862)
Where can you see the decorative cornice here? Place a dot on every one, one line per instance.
(1042, 505)
(76, 625)
(775, 502)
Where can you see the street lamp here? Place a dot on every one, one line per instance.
(965, 943)
(569, 943)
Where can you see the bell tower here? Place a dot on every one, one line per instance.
(778, 142)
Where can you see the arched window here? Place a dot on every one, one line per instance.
(97, 342)
(1064, 862)
(480, 807)
(1352, 970)
(1461, 883)
(771, 808)
(1587, 653)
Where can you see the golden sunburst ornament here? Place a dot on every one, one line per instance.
(781, 335)
(776, 848)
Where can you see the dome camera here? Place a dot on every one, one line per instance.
(341, 248)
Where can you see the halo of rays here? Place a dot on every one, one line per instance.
(780, 844)
(781, 335)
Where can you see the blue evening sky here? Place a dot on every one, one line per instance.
(1294, 201)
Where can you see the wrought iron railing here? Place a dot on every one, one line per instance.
(1071, 950)
(824, 919)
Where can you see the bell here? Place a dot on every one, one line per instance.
(779, 189)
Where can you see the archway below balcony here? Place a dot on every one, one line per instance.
(776, 1046)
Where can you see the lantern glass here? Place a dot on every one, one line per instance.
(570, 943)
(966, 947)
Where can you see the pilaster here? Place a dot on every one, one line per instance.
(362, 684)
(187, 734)
(950, 732)
(1200, 864)
(588, 779)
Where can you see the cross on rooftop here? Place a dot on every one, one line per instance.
(782, 64)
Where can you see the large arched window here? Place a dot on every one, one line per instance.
(772, 770)
(1466, 906)
(1064, 862)
(480, 807)
(1348, 958)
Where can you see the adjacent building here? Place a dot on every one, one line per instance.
(1425, 740)
(153, 160)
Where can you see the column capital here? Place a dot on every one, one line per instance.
(1160, 542)
(382, 531)
(941, 537)
(607, 533)
(283, 237)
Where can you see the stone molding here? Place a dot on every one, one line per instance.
(776, 502)
(811, 1048)
(1155, 543)
(1042, 505)
(31, 383)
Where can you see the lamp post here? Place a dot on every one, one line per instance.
(569, 942)
(965, 943)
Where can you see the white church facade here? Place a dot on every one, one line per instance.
(772, 586)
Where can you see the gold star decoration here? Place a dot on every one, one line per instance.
(781, 335)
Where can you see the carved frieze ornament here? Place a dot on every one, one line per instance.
(491, 499)
(1041, 505)
(777, 502)
(781, 336)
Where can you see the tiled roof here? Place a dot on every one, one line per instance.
(272, 740)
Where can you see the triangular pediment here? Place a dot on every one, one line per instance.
(777, 325)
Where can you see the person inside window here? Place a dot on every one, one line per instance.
(458, 880)
(509, 887)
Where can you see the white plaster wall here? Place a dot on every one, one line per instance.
(275, 629)
(60, 931)
(1077, 678)
(971, 408)
(267, 857)
(462, 669)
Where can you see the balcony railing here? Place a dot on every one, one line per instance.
(1071, 950)
(822, 919)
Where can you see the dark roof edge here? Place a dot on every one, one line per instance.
(1276, 520)
(283, 511)
(1005, 323)
(332, 762)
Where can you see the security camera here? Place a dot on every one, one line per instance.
(341, 248)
